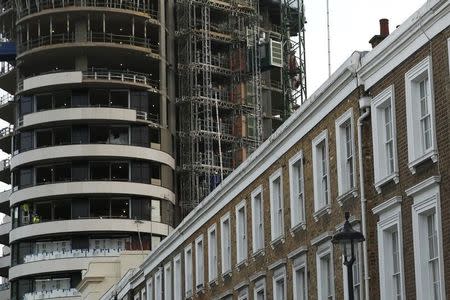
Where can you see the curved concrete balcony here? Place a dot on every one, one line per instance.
(69, 294)
(5, 172)
(92, 77)
(5, 228)
(89, 225)
(8, 81)
(95, 43)
(43, 7)
(7, 108)
(110, 114)
(5, 263)
(72, 254)
(92, 188)
(4, 202)
(92, 150)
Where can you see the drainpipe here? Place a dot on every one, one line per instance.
(364, 104)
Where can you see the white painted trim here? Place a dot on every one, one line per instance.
(278, 174)
(425, 202)
(149, 286)
(416, 154)
(340, 155)
(179, 274)
(239, 206)
(387, 205)
(428, 183)
(198, 269)
(158, 285)
(322, 137)
(279, 274)
(260, 285)
(255, 192)
(321, 238)
(223, 219)
(212, 257)
(299, 263)
(379, 102)
(188, 292)
(322, 251)
(168, 288)
(292, 199)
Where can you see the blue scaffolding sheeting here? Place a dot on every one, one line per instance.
(7, 51)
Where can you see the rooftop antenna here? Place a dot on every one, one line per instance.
(328, 36)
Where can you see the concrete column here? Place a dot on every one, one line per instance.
(162, 64)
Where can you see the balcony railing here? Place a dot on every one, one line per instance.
(5, 68)
(6, 131)
(6, 99)
(4, 164)
(4, 286)
(94, 37)
(123, 76)
(60, 293)
(74, 253)
(40, 5)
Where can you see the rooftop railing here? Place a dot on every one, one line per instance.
(58, 293)
(40, 5)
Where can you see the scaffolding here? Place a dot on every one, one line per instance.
(220, 120)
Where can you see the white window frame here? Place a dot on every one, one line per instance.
(143, 294)
(426, 201)
(168, 286)
(241, 233)
(212, 255)
(199, 268)
(177, 278)
(276, 209)
(260, 285)
(297, 179)
(188, 278)
(380, 164)
(416, 154)
(321, 206)
(279, 274)
(299, 263)
(149, 285)
(243, 294)
(225, 253)
(325, 249)
(258, 235)
(344, 186)
(158, 285)
(390, 220)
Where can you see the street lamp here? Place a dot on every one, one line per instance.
(347, 238)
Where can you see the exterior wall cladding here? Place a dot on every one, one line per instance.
(408, 223)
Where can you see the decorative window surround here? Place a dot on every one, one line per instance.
(279, 283)
(188, 278)
(158, 285)
(322, 238)
(212, 254)
(276, 206)
(241, 233)
(321, 172)
(199, 264)
(419, 80)
(168, 288)
(225, 237)
(149, 284)
(299, 275)
(384, 138)
(297, 252)
(352, 194)
(257, 220)
(426, 208)
(345, 155)
(260, 289)
(177, 278)
(243, 294)
(277, 264)
(241, 285)
(297, 192)
(390, 248)
(257, 276)
(324, 263)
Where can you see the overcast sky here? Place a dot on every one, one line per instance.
(352, 24)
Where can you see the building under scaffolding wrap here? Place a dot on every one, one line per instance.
(241, 74)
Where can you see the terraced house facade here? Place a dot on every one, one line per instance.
(372, 140)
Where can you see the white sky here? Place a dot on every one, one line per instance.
(352, 24)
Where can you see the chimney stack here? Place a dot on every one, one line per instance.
(384, 32)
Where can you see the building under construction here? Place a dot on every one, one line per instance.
(241, 72)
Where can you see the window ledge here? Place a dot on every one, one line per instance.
(321, 212)
(258, 253)
(241, 264)
(380, 183)
(300, 226)
(227, 274)
(188, 295)
(278, 241)
(212, 283)
(432, 154)
(349, 195)
(200, 289)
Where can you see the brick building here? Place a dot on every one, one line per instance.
(372, 140)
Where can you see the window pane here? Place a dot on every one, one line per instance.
(43, 102)
(120, 208)
(119, 99)
(119, 171)
(43, 175)
(43, 138)
(62, 173)
(99, 207)
(62, 99)
(99, 171)
(80, 135)
(99, 98)
(62, 136)
(61, 209)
